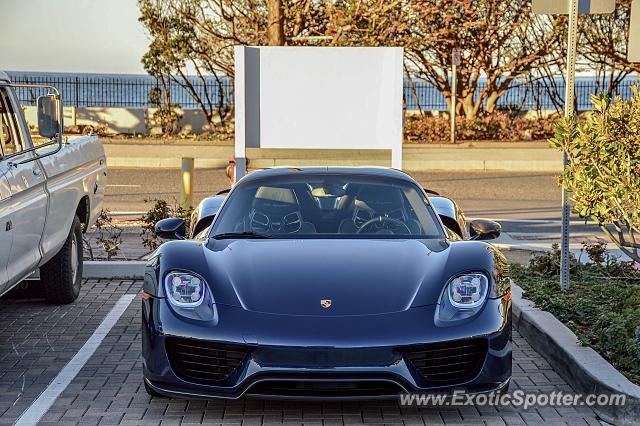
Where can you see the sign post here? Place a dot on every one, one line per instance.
(455, 62)
(633, 51)
(573, 8)
(568, 112)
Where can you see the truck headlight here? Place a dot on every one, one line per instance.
(184, 289)
(468, 290)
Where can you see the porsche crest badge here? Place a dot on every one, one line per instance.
(325, 303)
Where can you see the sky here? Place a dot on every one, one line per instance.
(79, 36)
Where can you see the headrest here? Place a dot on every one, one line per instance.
(380, 197)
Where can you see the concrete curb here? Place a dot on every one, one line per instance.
(581, 366)
(529, 156)
(123, 270)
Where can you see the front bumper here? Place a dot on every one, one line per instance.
(362, 357)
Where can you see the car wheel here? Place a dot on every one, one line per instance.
(150, 390)
(62, 274)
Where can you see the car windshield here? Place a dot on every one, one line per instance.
(326, 206)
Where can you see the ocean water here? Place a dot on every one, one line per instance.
(132, 91)
(120, 90)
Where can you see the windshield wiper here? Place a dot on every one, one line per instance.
(229, 235)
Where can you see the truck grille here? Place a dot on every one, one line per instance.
(448, 363)
(204, 362)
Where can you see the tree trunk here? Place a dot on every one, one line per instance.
(468, 105)
(492, 101)
(276, 22)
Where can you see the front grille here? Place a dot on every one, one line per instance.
(204, 362)
(447, 363)
(325, 389)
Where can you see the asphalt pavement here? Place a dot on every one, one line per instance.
(524, 203)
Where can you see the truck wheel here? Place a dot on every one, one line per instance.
(62, 274)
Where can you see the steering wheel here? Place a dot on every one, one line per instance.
(382, 219)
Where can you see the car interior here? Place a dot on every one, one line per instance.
(8, 144)
(352, 208)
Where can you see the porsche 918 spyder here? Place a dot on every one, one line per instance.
(329, 283)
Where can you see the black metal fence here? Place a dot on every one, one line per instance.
(136, 92)
(522, 95)
(123, 91)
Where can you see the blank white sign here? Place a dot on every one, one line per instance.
(330, 97)
(323, 97)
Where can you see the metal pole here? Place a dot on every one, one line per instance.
(454, 90)
(568, 112)
(186, 195)
(75, 107)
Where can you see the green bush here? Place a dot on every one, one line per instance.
(160, 210)
(165, 116)
(604, 171)
(602, 305)
(549, 263)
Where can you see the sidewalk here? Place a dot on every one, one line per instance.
(543, 242)
(510, 156)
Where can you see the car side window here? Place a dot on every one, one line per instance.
(10, 136)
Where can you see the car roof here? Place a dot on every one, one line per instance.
(360, 171)
(4, 77)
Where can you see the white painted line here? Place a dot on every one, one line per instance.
(116, 185)
(41, 405)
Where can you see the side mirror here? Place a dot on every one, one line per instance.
(48, 123)
(482, 229)
(173, 228)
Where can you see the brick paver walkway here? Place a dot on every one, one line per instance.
(37, 339)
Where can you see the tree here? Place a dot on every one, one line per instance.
(276, 22)
(501, 42)
(174, 48)
(603, 43)
(604, 171)
(197, 37)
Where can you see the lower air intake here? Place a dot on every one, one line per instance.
(204, 362)
(448, 363)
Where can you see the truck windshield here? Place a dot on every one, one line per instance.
(326, 206)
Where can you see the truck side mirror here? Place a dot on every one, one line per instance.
(48, 122)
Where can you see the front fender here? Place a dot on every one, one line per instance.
(469, 256)
(174, 255)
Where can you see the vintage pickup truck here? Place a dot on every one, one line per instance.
(50, 193)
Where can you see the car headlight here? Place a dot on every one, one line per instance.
(468, 290)
(184, 289)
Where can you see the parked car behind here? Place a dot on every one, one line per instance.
(50, 193)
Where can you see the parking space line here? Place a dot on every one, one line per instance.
(39, 407)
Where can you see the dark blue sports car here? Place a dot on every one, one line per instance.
(326, 283)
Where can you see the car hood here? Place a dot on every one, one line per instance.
(358, 277)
